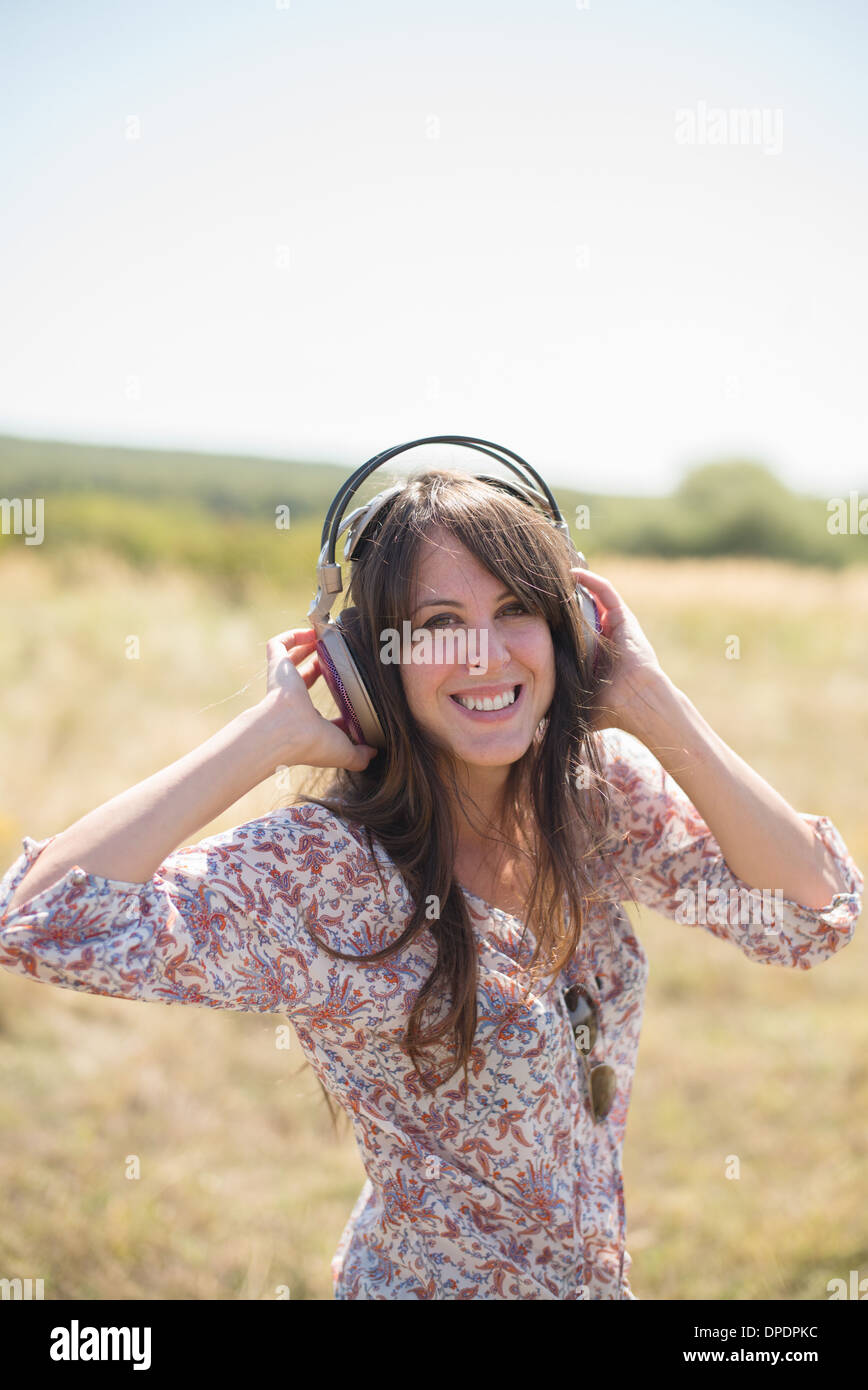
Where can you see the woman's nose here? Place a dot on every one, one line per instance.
(490, 643)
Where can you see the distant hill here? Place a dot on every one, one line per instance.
(216, 512)
(226, 484)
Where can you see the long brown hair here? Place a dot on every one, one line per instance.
(403, 799)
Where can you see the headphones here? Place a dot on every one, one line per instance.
(341, 673)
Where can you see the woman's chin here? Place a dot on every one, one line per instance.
(488, 752)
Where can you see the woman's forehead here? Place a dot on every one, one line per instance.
(443, 555)
(439, 545)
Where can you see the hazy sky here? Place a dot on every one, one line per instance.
(318, 229)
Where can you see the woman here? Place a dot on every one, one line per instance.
(435, 922)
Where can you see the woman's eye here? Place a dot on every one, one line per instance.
(440, 619)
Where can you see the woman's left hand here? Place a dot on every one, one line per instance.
(635, 668)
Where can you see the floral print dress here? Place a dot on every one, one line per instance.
(506, 1188)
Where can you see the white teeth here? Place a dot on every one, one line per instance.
(498, 702)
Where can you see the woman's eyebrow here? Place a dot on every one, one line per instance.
(456, 603)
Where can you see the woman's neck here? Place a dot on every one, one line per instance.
(479, 805)
(493, 855)
(485, 821)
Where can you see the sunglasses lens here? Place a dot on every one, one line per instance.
(603, 1087)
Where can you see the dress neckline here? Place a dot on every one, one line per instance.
(490, 908)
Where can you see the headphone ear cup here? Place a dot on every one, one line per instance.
(344, 679)
(591, 614)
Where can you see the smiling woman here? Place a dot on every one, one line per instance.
(457, 785)
(444, 927)
(518, 676)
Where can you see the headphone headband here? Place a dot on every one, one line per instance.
(331, 525)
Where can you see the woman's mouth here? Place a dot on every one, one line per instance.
(491, 708)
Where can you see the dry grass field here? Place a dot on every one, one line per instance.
(244, 1186)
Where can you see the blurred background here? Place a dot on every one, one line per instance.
(244, 248)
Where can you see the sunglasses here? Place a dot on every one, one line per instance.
(584, 1021)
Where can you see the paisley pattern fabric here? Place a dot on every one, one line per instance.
(506, 1188)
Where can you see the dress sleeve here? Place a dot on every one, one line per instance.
(668, 859)
(218, 924)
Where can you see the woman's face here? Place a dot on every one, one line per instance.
(516, 646)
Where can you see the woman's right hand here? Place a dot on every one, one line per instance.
(309, 738)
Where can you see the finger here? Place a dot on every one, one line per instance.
(302, 660)
(591, 580)
(305, 662)
(582, 573)
(309, 669)
(295, 637)
(277, 649)
(340, 722)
